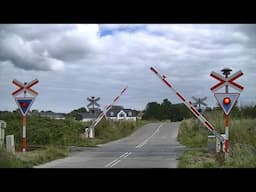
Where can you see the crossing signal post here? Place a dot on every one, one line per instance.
(226, 100)
(24, 103)
(105, 110)
(198, 102)
(93, 103)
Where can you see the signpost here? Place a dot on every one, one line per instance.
(226, 100)
(189, 105)
(93, 102)
(24, 103)
(198, 102)
(105, 110)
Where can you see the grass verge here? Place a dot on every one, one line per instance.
(242, 145)
(106, 131)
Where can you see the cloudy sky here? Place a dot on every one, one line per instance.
(73, 62)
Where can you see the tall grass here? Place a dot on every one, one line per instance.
(29, 159)
(8, 160)
(242, 142)
(192, 134)
(112, 130)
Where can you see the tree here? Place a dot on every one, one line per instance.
(152, 111)
(76, 111)
(165, 109)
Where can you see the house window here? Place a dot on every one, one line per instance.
(111, 113)
(121, 115)
(130, 113)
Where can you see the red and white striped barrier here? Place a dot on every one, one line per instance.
(106, 109)
(189, 105)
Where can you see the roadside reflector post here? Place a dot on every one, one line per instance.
(2, 132)
(10, 146)
(91, 132)
(86, 132)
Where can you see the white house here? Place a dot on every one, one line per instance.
(121, 114)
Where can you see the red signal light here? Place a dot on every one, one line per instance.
(23, 104)
(226, 100)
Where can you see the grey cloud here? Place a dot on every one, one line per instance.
(46, 46)
(102, 66)
(70, 48)
(21, 54)
(36, 31)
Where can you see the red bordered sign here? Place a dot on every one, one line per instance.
(227, 81)
(25, 87)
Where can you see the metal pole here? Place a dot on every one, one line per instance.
(226, 124)
(93, 111)
(226, 72)
(226, 127)
(226, 135)
(23, 141)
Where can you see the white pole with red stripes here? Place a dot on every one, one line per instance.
(104, 112)
(189, 105)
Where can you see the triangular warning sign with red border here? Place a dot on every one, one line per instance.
(24, 104)
(231, 99)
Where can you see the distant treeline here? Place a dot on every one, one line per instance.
(166, 111)
(177, 112)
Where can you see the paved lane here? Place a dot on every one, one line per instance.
(152, 146)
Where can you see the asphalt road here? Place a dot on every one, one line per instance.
(152, 146)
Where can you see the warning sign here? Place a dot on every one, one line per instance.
(24, 104)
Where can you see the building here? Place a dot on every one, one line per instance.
(88, 116)
(120, 113)
(52, 115)
(49, 114)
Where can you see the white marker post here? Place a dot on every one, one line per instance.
(10, 146)
(2, 132)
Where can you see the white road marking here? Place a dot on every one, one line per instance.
(115, 161)
(111, 163)
(126, 154)
(146, 140)
(123, 155)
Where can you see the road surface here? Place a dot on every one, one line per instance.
(152, 146)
